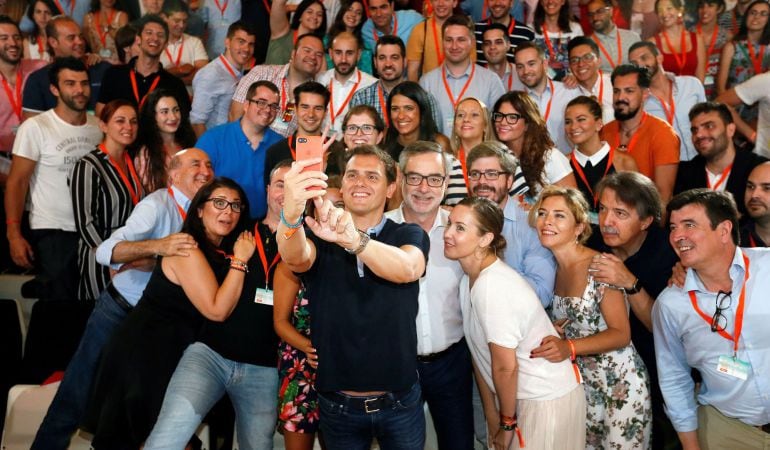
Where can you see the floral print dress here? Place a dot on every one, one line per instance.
(742, 68)
(616, 382)
(297, 397)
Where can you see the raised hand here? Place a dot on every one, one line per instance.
(333, 224)
(296, 188)
(244, 246)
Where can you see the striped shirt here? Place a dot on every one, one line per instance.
(518, 35)
(456, 188)
(102, 204)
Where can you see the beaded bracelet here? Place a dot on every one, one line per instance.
(291, 225)
(507, 423)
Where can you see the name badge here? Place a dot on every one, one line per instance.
(264, 297)
(708, 80)
(733, 367)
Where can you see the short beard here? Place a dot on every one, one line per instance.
(621, 116)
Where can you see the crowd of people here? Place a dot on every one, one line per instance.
(545, 219)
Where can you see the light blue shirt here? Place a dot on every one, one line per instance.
(684, 340)
(555, 123)
(402, 23)
(475, 9)
(526, 254)
(155, 217)
(218, 23)
(213, 87)
(79, 12)
(485, 86)
(688, 91)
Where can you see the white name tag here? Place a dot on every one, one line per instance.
(733, 367)
(264, 297)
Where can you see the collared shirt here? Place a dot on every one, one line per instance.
(558, 100)
(401, 25)
(341, 92)
(439, 317)
(511, 81)
(688, 91)
(596, 158)
(610, 43)
(526, 254)
(232, 156)
(602, 90)
(215, 85)
(155, 217)
(684, 340)
(9, 121)
(276, 75)
(757, 89)
(218, 22)
(370, 96)
(187, 49)
(37, 90)
(485, 86)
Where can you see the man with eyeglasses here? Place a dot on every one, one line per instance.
(588, 77)
(613, 41)
(443, 359)
(495, 45)
(671, 96)
(500, 12)
(237, 149)
(490, 175)
(306, 60)
(716, 324)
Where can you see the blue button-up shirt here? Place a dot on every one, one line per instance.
(405, 20)
(684, 340)
(214, 87)
(155, 217)
(218, 22)
(526, 254)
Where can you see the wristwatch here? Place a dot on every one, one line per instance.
(361, 244)
(634, 289)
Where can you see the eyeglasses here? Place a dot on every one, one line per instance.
(718, 320)
(263, 104)
(587, 58)
(415, 179)
(222, 204)
(366, 129)
(599, 12)
(512, 118)
(490, 175)
(755, 13)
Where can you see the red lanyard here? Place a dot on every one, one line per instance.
(436, 43)
(267, 6)
(485, 10)
(130, 165)
(262, 255)
(222, 8)
(721, 179)
(40, 47)
(347, 100)
(366, 8)
(290, 141)
(634, 138)
(178, 206)
(61, 8)
(551, 51)
(550, 101)
(680, 60)
(284, 94)
(294, 37)
(510, 27)
(752, 242)
(383, 104)
(228, 67)
(756, 60)
(394, 32)
(462, 92)
(670, 113)
(102, 33)
(510, 76)
(15, 101)
(738, 312)
(713, 38)
(734, 21)
(601, 87)
(582, 175)
(461, 155)
(606, 53)
(136, 89)
(178, 54)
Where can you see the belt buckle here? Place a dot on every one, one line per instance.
(366, 405)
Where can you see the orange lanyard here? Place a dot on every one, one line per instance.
(394, 32)
(485, 10)
(178, 54)
(347, 100)
(228, 67)
(510, 27)
(680, 60)
(290, 141)
(734, 20)
(461, 155)
(752, 242)
(462, 92)
(738, 312)
(383, 104)
(222, 8)
(61, 8)
(634, 138)
(15, 101)
(294, 37)
(436, 44)
(262, 255)
(601, 87)
(130, 165)
(670, 113)
(40, 47)
(721, 179)
(267, 6)
(756, 59)
(606, 53)
(582, 175)
(510, 76)
(284, 94)
(366, 8)
(154, 84)
(550, 101)
(178, 206)
(551, 51)
(97, 24)
(713, 38)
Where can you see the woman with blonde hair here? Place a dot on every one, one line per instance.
(472, 126)
(684, 52)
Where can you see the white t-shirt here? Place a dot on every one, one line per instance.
(55, 146)
(191, 48)
(503, 309)
(556, 167)
(757, 89)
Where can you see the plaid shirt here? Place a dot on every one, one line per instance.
(277, 75)
(369, 96)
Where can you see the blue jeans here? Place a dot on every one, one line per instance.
(400, 427)
(69, 404)
(446, 385)
(199, 381)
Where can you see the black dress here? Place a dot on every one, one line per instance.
(139, 359)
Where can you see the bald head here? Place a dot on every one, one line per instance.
(345, 52)
(190, 169)
(757, 196)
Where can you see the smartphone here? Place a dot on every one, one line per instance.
(310, 147)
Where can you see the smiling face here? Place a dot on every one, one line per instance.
(152, 39)
(555, 224)
(506, 132)
(68, 41)
(600, 15)
(345, 54)
(442, 9)
(365, 187)
(530, 67)
(757, 197)
(462, 235)
(708, 12)
(470, 122)
(584, 63)
(627, 96)
(359, 138)
(389, 62)
(668, 14)
(404, 115)
(10, 44)
(168, 115)
(494, 46)
(311, 110)
(177, 22)
(381, 12)
(240, 47)
(353, 16)
(757, 16)
(423, 199)
(121, 128)
(499, 9)
(495, 190)
(219, 223)
(309, 55)
(580, 125)
(312, 17)
(710, 136)
(458, 43)
(692, 237)
(191, 172)
(552, 7)
(258, 116)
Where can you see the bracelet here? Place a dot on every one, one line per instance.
(12, 221)
(239, 261)
(573, 355)
(291, 225)
(237, 264)
(239, 268)
(507, 423)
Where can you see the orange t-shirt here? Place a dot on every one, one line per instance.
(654, 144)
